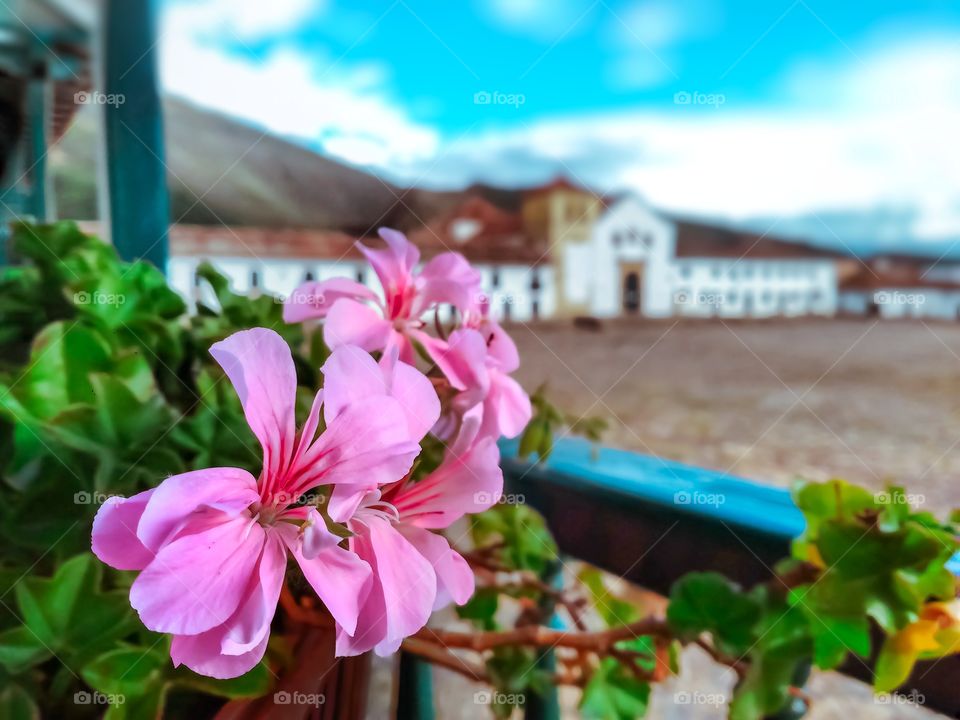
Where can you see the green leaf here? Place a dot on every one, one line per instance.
(49, 606)
(128, 671)
(255, 683)
(709, 602)
(614, 611)
(17, 704)
(481, 608)
(20, 649)
(58, 373)
(613, 693)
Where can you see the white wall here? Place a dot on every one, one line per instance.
(629, 232)
(277, 276)
(513, 297)
(704, 287)
(933, 303)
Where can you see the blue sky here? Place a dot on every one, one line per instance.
(801, 113)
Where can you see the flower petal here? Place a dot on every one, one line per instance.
(395, 264)
(448, 279)
(353, 323)
(415, 393)
(230, 490)
(366, 445)
(506, 409)
(201, 653)
(401, 597)
(314, 299)
(341, 579)
(260, 366)
(198, 580)
(462, 358)
(316, 536)
(455, 579)
(349, 375)
(114, 539)
(250, 624)
(470, 483)
(501, 349)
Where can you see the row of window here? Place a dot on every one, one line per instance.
(711, 297)
(360, 276)
(750, 270)
(632, 237)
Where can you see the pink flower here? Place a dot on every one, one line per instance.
(408, 295)
(477, 359)
(415, 570)
(212, 545)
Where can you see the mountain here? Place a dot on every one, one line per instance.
(245, 177)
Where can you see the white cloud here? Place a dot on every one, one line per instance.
(343, 108)
(246, 20)
(543, 20)
(643, 36)
(881, 130)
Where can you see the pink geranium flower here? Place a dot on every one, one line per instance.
(477, 359)
(356, 316)
(212, 545)
(415, 570)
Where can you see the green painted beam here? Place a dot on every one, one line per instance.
(138, 204)
(35, 157)
(415, 689)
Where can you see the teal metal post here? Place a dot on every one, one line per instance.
(415, 691)
(139, 205)
(35, 157)
(546, 705)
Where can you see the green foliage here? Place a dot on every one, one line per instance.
(538, 437)
(527, 543)
(106, 388)
(613, 693)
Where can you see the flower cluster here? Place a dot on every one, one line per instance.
(211, 546)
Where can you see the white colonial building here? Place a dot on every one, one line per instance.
(560, 251)
(641, 262)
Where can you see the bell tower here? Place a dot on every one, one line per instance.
(559, 217)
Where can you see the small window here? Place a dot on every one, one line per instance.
(254, 279)
(308, 276)
(495, 277)
(360, 275)
(617, 239)
(535, 279)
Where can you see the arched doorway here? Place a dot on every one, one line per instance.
(631, 292)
